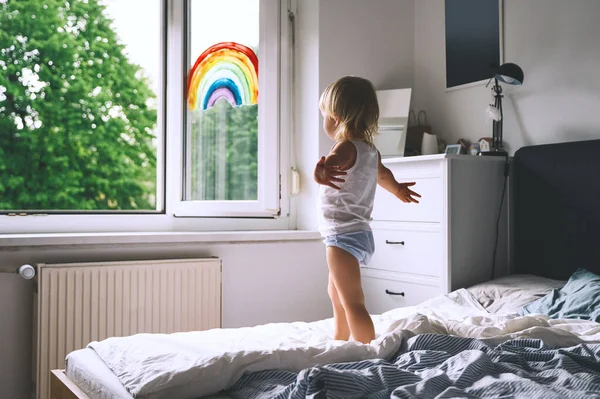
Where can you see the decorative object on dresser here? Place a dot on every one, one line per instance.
(417, 126)
(444, 242)
(429, 146)
(464, 145)
(474, 149)
(485, 144)
(453, 149)
(508, 73)
(394, 107)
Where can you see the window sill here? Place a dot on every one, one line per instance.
(121, 238)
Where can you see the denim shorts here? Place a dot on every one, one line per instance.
(359, 244)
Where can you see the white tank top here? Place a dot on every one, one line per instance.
(349, 208)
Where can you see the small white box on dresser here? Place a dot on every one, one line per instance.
(443, 243)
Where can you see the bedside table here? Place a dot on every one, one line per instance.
(443, 243)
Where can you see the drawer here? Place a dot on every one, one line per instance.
(408, 248)
(429, 209)
(415, 167)
(382, 295)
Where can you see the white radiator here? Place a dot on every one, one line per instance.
(83, 302)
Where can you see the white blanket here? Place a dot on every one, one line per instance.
(205, 362)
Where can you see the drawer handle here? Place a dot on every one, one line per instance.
(394, 293)
(394, 242)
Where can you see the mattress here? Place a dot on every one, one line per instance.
(94, 378)
(193, 364)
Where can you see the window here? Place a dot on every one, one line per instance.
(231, 136)
(171, 123)
(78, 109)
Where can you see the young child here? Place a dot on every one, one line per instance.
(348, 177)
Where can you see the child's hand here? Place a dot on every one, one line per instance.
(327, 175)
(405, 194)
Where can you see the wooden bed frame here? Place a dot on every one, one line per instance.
(61, 387)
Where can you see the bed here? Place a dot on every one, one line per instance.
(490, 340)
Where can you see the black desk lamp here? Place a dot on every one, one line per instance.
(511, 74)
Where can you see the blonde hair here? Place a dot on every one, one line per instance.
(352, 101)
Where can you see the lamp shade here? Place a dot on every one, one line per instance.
(510, 73)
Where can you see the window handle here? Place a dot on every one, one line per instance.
(394, 242)
(394, 293)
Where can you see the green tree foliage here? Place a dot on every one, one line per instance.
(224, 153)
(77, 118)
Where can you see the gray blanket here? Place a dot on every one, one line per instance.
(441, 366)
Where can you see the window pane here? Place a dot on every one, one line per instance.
(78, 104)
(222, 129)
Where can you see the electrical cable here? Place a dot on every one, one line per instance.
(506, 173)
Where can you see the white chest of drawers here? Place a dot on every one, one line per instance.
(443, 243)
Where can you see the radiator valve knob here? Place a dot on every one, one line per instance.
(27, 271)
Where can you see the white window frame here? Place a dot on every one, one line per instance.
(270, 91)
(270, 212)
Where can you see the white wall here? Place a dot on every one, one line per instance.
(556, 44)
(262, 283)
(372, 39)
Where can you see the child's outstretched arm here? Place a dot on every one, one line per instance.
(328, 169)
(385, 178)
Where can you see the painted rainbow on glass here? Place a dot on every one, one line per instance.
(224, 70)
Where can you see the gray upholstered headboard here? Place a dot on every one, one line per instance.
(556, 219)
